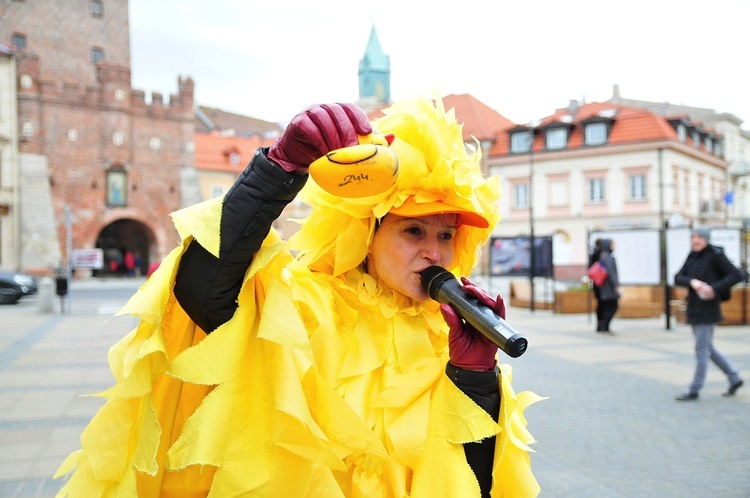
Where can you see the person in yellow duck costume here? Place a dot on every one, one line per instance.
(318, 366)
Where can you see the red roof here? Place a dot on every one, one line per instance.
(629, 125)
(478, 119)
(212, 152)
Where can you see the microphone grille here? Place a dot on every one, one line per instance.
(432, 278)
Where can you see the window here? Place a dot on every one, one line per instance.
(72, 135)
(96, 8)
(234, 158)
(596, 134)
(521, 196)
(681, 133)
(97, 55)
(217, 191)
(18, 40)
(116, 188)
(709, 144)
(155, 143)
(637, 188)
(520, 142)
(117, 138)
(595, 190)
(557, 138)
(696, 139)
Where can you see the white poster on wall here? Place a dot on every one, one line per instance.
(729, 239)
(636, 253)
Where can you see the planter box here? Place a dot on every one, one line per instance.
(574, 302)
(638, 301)
(520, 296)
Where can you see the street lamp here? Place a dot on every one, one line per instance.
(532, 251)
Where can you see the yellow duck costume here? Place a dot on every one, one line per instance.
(322, 383)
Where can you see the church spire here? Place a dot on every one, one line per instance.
(374, 75)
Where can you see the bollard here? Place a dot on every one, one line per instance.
(46, 293)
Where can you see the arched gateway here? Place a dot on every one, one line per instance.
(122, 237)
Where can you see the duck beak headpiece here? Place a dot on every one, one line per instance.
(436, 175)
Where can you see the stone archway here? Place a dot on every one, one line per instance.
(122, 236)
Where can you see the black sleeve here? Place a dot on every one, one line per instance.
(207, 287)
(481, 387)
(682, 277)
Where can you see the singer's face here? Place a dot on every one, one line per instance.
(403, 247)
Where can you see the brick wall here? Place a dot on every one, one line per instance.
(63, 32)
(71, 111)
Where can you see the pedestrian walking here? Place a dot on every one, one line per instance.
(709, 276)
(594, 258)
(608, 295)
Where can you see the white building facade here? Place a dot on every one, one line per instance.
(9, 173)
(603, 166)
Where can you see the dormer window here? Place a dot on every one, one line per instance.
(709, 144)
(696, 140)
(597, 127)
(682, 133)
(556, 138)
(682, 126)
(232, 155)
(595, 134)
(520, 141)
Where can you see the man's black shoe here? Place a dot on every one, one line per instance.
(733, 388)
(688, 396)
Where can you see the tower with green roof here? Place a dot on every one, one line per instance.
(374, 75)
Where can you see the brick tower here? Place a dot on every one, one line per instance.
(91, 143)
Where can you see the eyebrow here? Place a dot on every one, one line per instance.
(421, 221)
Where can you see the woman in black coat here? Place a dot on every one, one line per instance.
(608, 297)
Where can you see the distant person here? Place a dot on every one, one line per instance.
(708, 274)
(593, 258)
(608, 298)
(152, 268)
(129, 261)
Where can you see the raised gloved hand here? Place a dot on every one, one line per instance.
(469, 349)
(316, 131)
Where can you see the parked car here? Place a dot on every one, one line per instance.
(14, 285)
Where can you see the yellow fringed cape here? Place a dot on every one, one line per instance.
(322, 384)
(319, 386)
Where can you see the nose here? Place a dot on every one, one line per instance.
(431, 251)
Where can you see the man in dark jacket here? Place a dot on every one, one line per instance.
(708, 275)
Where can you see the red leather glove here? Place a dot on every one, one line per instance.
(316, 131)
(469, 349)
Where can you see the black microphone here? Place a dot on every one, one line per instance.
(443, 287)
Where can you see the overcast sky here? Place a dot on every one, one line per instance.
(524, 59)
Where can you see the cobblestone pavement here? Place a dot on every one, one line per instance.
(610, 428)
